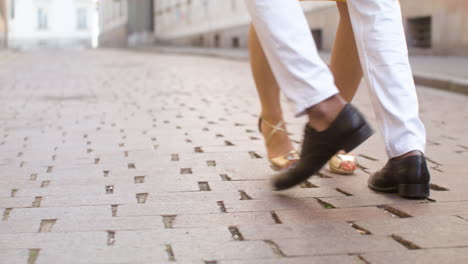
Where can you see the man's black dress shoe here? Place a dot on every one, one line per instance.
(348, 131)
(408, 176)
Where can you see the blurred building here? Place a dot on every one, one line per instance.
(202, 23)
(3, 24)
(49, 23)
(435, 27)
(125, 23)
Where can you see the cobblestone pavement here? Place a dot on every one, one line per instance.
(122, 157)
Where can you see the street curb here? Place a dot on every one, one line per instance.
(194, 52)
(455, 85)
(451, 84)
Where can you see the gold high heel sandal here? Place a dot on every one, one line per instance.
(343, 163)
(283, 161)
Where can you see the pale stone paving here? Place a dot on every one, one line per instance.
(122, 157)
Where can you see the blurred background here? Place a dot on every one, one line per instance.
(433, 27)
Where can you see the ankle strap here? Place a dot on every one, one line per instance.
(276, 128)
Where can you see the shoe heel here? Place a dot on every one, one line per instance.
(413, 190)
(358, 137)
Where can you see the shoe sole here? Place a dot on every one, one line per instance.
(414, 191)
(341, 172)
(393, 189)
(410, 191)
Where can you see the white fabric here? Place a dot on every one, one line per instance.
(284, 34)
(306, 80)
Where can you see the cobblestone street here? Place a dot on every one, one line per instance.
(111, 156)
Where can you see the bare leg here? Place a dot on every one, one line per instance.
(267, 87)
(345, 64)
(269, 94)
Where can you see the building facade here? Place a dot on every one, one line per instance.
(113, 21)
(50, 23)
(3, 24)
(434, 27)
(125, 23)
(201, 22)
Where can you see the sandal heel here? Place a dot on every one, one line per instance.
(286, 160)
(358, 137)
(413, 190)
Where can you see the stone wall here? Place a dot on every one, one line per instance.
(3, 24)
(116, 37)
(113, 23)
(449, 24)
(448, 31)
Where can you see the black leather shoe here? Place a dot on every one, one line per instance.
(408, 176)
(348, 131)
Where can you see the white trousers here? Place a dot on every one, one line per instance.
(306, 80)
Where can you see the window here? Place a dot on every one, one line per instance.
(419, 32)
(216, 41)
(12, 9)
(82, 18)
(317, 35)
(235, 42)
(42, 21)
(117, 9)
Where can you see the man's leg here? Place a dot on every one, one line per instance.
(289, 47)
(381, 43)
(283, 31)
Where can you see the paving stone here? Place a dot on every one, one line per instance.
(334, 245)
(449, 196)
(168, 208)
(322, 230)
(77, 212)
(270, 205)
(16, 202)
(442, 255)
(303, 214)
(14, 255)
(147, 238)
(236, 250)
(90, 223)
(300, 260)
(227, 219)
(434, 209)
(45, 240)
(374, 199)
(424, 231)
(104, 255)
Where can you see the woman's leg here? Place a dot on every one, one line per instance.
(344, 63)
(346, 68)
(269, 94)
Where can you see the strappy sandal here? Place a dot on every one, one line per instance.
(283, 161)
(344, 164)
